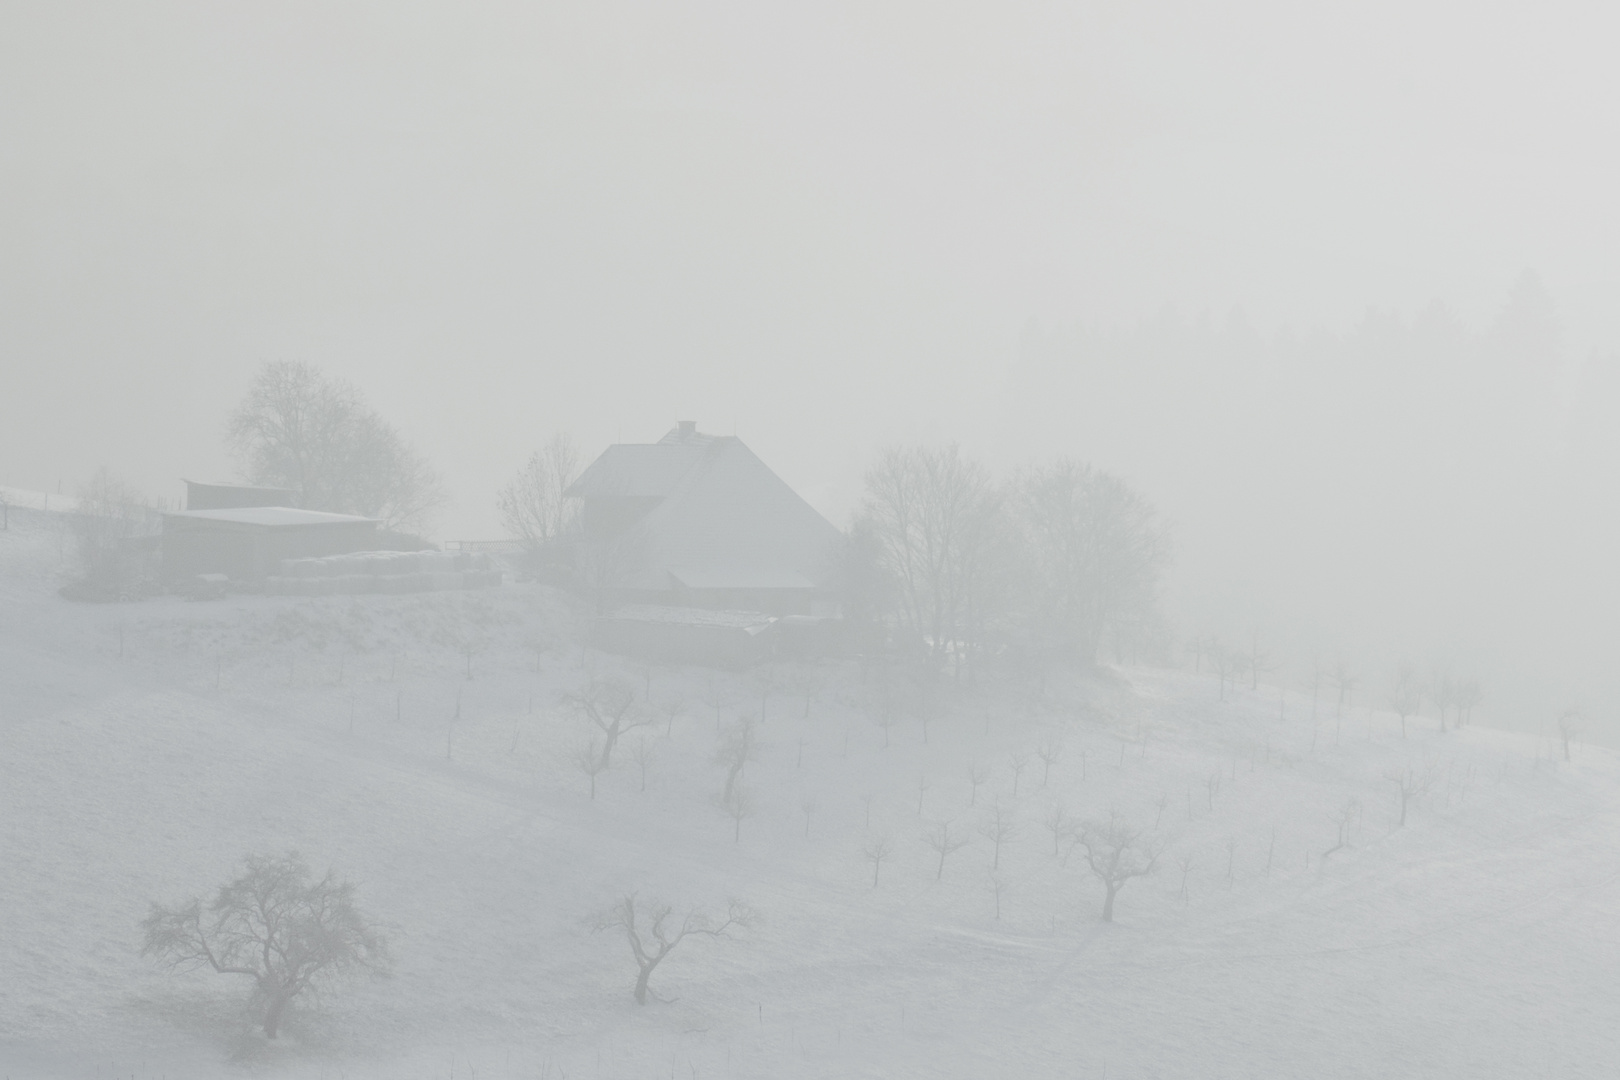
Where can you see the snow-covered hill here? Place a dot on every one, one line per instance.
(148, 747)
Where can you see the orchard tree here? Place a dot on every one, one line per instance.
(653, 935)
(274, 924)
(739, 745)
(609, 704)
(1407, 695)
(1116, 852)
(942, 841)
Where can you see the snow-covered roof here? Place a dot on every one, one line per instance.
(271, 516)
(718, 518)
(233, 485)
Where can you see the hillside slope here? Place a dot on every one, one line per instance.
(148, 747)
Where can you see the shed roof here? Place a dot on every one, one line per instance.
(271, 516)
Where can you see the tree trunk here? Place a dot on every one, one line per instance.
(641, 985)
(274, 1012)
(1108, 904)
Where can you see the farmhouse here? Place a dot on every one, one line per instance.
(699, 521)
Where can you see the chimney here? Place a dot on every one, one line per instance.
(688, 428)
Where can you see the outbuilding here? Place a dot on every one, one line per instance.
(247, 544)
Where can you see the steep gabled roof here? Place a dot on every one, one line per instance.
(720, 518)
(642, 470)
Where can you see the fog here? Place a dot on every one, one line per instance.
(831, 230)
(1332, 286)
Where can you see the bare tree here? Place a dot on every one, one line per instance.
(1096, 548)
(1465, 696)
(1048, 750)
(643, 753)
(315, 436)
(978, 774)
(1568, 728)
(1412, 784)
(610, 705)
(998, 885)
(1345, 682)
(1116, 852)
(1018, 762)
(806, 683)
(997, 827)
(275, 925)
(885, 718)
(1257, 661)
(738, 804)
(1407, 695)
(1443, 692)
(942, 843)
(877, 853)
(672, 708)
(807, 807)
(109, 515)
(532, 506)
(1185, 862)
(652, 935)
(1228, 664)
(1198, 646)
(1345, 820)
(1060, 825)
(739, 744)
(590, 761)
(932, 516)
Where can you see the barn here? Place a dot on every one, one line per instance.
(247, 544)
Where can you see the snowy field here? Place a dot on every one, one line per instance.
(149, 746)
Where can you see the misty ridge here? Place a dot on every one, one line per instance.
(1414, 484)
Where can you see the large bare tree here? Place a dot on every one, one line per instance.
(274, 924)
(532, 506)
(1095, 550)
(300, 429)
(653, 935)
(932, 518)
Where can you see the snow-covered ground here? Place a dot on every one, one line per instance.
(149, 746)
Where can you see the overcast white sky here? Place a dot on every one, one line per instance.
(823, 227)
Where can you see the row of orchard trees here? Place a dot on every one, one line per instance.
(1057, 559)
